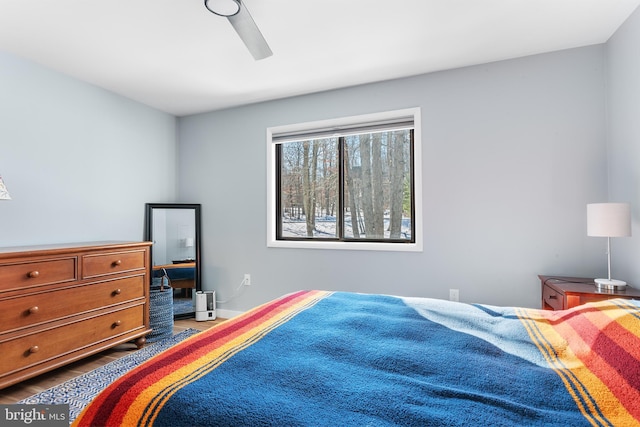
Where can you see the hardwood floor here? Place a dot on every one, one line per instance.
(42, 382)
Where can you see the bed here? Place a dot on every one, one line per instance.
(316, 358)
(181, 275)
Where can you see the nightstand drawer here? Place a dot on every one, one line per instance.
(552, 298)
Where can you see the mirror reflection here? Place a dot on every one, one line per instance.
(174, 230)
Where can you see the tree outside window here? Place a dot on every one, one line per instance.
(356, 186)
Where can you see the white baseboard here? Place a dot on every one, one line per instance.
(227, 314)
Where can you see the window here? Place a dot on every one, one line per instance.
(351, 183)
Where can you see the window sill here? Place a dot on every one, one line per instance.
(363, 246)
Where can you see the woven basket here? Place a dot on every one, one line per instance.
(160, 309)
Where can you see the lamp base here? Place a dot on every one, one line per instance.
(610, 284)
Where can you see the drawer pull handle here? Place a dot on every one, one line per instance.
(116, 324)
(553, 297)
(34, 349)
(33, 274)
(34, 309)
(116, 263)
(117, 292)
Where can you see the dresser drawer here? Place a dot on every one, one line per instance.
(552, 298)
(37, 273)
(41, 347)
(112, 263)
(43, 307)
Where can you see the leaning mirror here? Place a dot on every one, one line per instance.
(174, 229)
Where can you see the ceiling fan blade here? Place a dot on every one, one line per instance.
(248, 31)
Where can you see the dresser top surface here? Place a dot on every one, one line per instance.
(68, 247)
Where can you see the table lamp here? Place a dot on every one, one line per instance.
(609, 220)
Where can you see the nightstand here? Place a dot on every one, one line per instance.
(560, 293)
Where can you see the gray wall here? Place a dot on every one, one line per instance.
(623, 82)
(513, 151)
(79, 162)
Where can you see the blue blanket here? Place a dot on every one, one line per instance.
(341, 359)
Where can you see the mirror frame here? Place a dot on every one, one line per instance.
(148, 229)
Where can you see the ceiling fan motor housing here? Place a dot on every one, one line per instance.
(223, 7)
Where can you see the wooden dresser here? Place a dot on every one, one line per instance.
(60, 303)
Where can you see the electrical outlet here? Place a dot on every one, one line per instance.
(247, 279)
(454, 295)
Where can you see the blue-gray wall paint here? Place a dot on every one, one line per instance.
(623, 108)
(513, 152)
(80, 162)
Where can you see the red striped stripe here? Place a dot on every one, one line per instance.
(608, 358)
(102, 410)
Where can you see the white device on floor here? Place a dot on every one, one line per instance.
(205, 305)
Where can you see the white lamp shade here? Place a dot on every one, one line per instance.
(609, 219)
(4, 193)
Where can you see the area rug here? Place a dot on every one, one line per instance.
(79, 391)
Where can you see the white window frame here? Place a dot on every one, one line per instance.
(343, 122)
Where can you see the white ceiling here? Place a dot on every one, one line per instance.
(178, 57)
